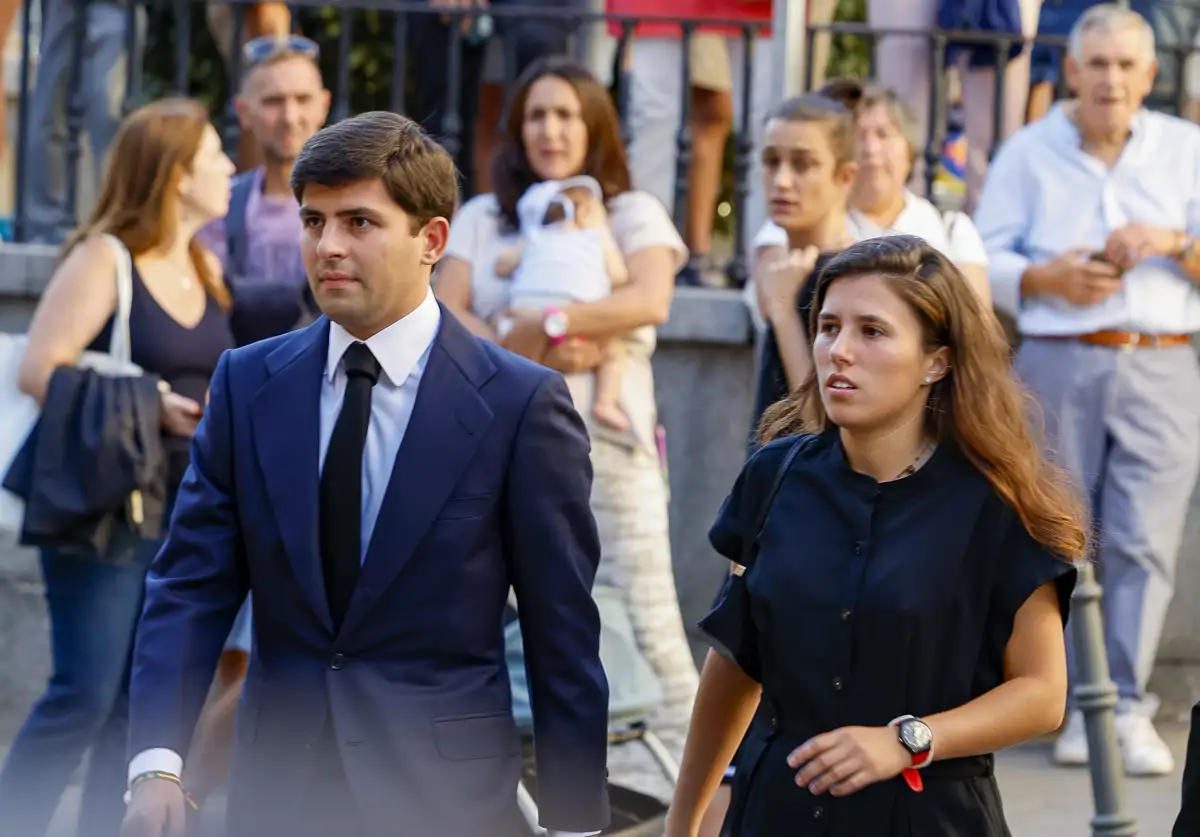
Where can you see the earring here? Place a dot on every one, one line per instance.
(928, 379)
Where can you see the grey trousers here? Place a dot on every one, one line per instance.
(1126, 425)
(103, 78)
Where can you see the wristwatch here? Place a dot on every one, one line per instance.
(916, 737)
(555, 325)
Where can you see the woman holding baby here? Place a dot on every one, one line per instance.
(568, 266)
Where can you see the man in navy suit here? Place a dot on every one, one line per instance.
(379, 481)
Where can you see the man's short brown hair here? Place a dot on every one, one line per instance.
(380, 145)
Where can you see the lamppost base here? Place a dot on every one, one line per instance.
(1113, 825)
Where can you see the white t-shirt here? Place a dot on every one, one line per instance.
(638, 221)
(954, 235)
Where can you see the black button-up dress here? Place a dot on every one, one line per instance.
(865, 601)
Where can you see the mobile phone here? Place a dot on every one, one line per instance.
(1100, 256)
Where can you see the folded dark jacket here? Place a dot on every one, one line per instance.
(94, 464)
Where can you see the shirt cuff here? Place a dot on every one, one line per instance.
(1004, 274)
(157, 760)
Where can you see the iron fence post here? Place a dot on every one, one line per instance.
(789, 24)
(1096, 695)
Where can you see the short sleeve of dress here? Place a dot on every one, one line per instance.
(729, 625)
(1026, 565)
(468, 231)
(639, 221)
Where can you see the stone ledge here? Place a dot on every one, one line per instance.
(25, 269)
(698, 315)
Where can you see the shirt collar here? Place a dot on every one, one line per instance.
(1065, 131)
(398, 348)
(862, 226)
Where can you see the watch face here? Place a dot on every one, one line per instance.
(915, 736)
(555, 325)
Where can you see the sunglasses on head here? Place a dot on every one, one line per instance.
(270, 47)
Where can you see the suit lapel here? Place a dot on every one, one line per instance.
(286, 416)
(448, 421)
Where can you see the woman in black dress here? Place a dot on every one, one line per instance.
(902, 604)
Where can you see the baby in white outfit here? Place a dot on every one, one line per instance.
(567, 254)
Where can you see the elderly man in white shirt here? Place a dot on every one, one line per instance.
(1089, 217)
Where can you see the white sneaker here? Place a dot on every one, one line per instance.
(1142, 749)
(1071, 748)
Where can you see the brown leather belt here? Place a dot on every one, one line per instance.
(1127, 340)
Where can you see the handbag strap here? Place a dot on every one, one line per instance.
(950, 221)
(765, 509)
(119, 347)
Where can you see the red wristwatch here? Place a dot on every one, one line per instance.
(916, 737)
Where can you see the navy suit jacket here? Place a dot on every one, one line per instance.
(490, 488)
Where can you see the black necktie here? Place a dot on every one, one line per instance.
(340, 523)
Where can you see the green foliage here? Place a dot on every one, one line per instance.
(371, 55)
(207, 79)
(850, 55)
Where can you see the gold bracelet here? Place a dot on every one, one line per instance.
(166, 777)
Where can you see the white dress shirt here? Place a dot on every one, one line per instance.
(1045, 196)
(402, 350)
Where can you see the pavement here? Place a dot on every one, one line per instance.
(1040, 800)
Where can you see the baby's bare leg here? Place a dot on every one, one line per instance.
(609, 377)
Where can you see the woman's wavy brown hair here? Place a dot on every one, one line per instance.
(978, 405)
(139, 196)
(605, 161)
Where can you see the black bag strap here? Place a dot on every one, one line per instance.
(765, 509)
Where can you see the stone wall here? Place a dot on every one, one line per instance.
(704, 370)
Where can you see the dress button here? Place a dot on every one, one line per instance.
(837, 684)
(336, 662)
(774, 722)
(858, 547)
(817, 812)
(846, 614)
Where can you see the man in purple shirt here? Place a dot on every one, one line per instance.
(282, 103)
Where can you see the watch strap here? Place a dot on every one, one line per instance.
(912, 774)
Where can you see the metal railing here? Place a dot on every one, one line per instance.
(451, 128)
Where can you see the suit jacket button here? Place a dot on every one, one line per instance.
(336, 662)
